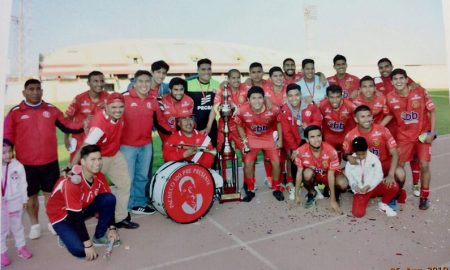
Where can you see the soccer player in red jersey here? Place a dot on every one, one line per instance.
(188, 143)
(337, 114)
(105, 130)
(348, 82)
(31, 127)
(293, 121)
(83, 108)
(177, 102)
(275, 90)
(290, 74)
(369, 97)
(384, 85)
(382, 144)
(78, 197)
(317, 161)
(414, 114)
(256, 74)
(237, 92)
(256, 124)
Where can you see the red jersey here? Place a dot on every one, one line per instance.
(379, 140)
(410, 113)
(278, 98)
(293, 124)
(377, 105)
(173, 108)
(67, 196)
(297, 77)
(348, 83)
(259, 127)
(384, 84)
(336, 123)
(173, 153)
(33, 132)
(82, 106)
(111, 136)
(327, 159)
(138, 119)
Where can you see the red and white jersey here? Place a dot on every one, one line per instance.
(278, 98)
(379, 140)
(235, 97)
(325, 161)
(258, 126)
(411, 113)
(138, 119)
(67, 196)
(106, 133)
(173, 108)
(173, 153)
(33, 132)
(348, 83)
(336, 123)
(82, 106)
(377, 105)
(294, 79)
(384, 84)
(292, 124)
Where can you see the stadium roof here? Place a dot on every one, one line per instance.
(124, 57)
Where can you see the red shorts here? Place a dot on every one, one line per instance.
(409, 150)
(386, 165)
(323, 178)
(269, 153)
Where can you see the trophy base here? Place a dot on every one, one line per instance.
(230, 197)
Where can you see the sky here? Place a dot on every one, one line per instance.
(407, 31)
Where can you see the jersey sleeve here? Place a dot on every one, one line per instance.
(346, 145)
(72, 109)
(391, 143)
(298, 159)
(218, 98)
(9, 128)
(429, 102)
(334, 161)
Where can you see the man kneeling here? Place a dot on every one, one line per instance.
(79, 196)
(366, 180)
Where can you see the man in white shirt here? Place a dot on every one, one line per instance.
(365, 178)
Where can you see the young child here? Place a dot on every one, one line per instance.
(14, 199)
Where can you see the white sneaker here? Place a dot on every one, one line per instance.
(50, 228)
(386, 209)
(319, 194)
(291, 189)
(35, 231)
(268, 182)
(416, 190)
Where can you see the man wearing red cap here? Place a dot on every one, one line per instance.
(105, 130)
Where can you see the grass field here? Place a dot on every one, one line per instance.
(440, 98)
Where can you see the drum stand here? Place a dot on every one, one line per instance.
(230, 188)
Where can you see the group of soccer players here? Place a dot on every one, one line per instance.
(306, 125)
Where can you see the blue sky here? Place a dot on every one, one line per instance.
(407, 31)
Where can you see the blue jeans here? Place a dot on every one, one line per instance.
(138, 159)
(104, 204)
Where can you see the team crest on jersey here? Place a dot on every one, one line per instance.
(308, 113)
(415, 104)
(376, 142)
(46, 114)
(343, 117)
(171, 121)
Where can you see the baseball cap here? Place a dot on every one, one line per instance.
(114, 97)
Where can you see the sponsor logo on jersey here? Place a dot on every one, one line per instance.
(85, 103)
(375, 151)
(416, 97)
(25, 116)
(205, 100)
(327, 110)
(393, 100)
(133, 104)
(204, 108)
(318, 171)
(247, 114)
(258, 129)
(336, 126)
(376, 133)
(184, 104)
(410, 117)
(86, 111)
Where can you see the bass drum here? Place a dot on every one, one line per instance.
(183, 191)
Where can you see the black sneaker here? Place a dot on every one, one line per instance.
(143, 210)
(249, 195)
(127, 223)
(326, 192)
(424, 204)
(310, 200)
(278, 195)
